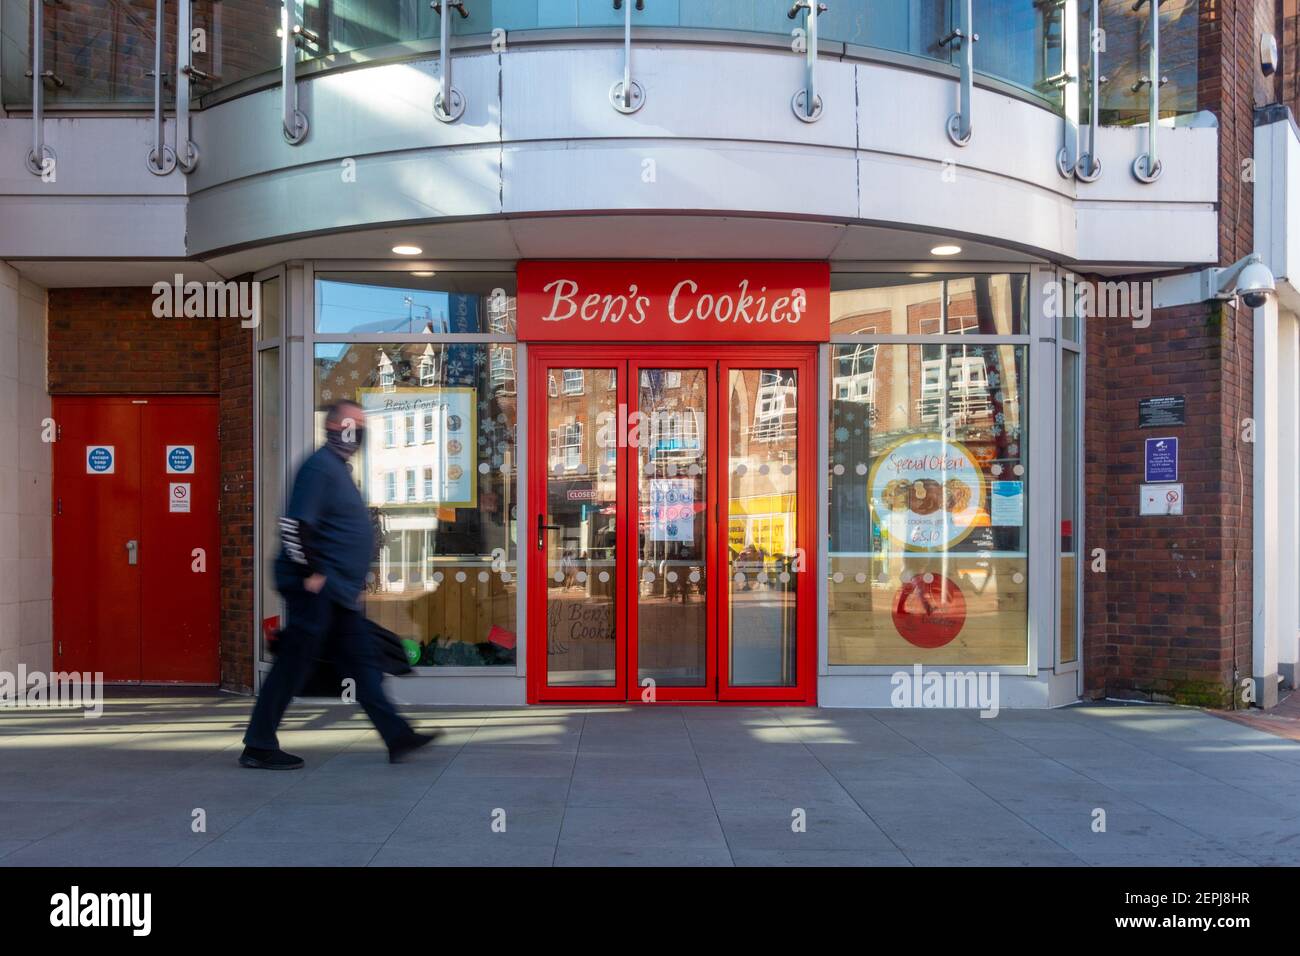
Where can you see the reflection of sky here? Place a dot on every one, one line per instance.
(352, 307)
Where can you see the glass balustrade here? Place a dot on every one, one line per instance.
(102, 51)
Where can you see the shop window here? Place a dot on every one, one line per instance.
(552, 389)
(375, 303)
(444, 505)
(892, 304)
(928, 505)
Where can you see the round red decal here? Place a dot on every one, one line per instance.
(930, 610)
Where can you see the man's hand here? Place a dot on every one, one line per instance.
(314, 583)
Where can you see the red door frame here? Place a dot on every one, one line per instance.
(804, 361)
(540, 358)
(719, 360)
(674, 357)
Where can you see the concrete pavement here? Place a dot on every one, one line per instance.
(661, 785)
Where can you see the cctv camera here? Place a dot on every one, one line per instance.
(1255, 285)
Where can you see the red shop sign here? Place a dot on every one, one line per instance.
(674, 301)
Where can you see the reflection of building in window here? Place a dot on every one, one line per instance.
(410, 485)
(390, 430)
(428, 425)
(428, 368)
(566, 445)
(390, 486)
(776, 403)
(428, 484)
(573, 381)
(502, 365)
(855, 381)
(551, 388)
(966, 391)
(410, 428)
(387, 379)
(675, 433)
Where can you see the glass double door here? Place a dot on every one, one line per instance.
(671, 492)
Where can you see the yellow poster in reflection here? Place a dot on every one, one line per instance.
(764, 522)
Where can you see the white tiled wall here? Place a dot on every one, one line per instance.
(25, 567)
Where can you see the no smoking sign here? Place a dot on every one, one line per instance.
(178, 497)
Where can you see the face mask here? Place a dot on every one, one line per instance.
(336, 440)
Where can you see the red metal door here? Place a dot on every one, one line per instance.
(135, 564)
(96, 490)
(179, 548)
(751, 475)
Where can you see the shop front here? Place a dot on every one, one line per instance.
(695, 481)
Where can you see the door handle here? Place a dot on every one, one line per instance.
(132, 552)
(542, 528)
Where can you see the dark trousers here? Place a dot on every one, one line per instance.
(318, 624)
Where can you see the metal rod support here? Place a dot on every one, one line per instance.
(807, 104)
(963, 40)
(1148, 167)
(39, 154)
(187, 154)
(293, 122)
(1088, 168)
(627, 95)
(162, 158)
(449, 103)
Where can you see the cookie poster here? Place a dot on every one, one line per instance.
(926, 492)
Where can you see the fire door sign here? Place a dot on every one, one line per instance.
(100, 459)
(178, 497)
(180, 459)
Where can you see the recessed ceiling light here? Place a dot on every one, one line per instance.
(918, 275)
(423, 275)
(944, 250)
(407, 250)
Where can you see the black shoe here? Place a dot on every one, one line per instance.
(260, 759)
(409, 744)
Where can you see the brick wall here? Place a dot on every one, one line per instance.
(107, 341)
(237, 487)
(1171, 617)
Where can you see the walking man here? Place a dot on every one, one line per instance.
(327, 541)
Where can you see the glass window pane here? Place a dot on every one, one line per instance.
(444, 574)
(270, 483)
(988, 305)
(762, 530)
(581, 530)
(1069, 484)
(928, 512)
(269, 325)
(380, 302)
(672, 483)
(886, 304)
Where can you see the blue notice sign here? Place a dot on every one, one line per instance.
(99, 459)
(1162, 459)
(180, 459)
